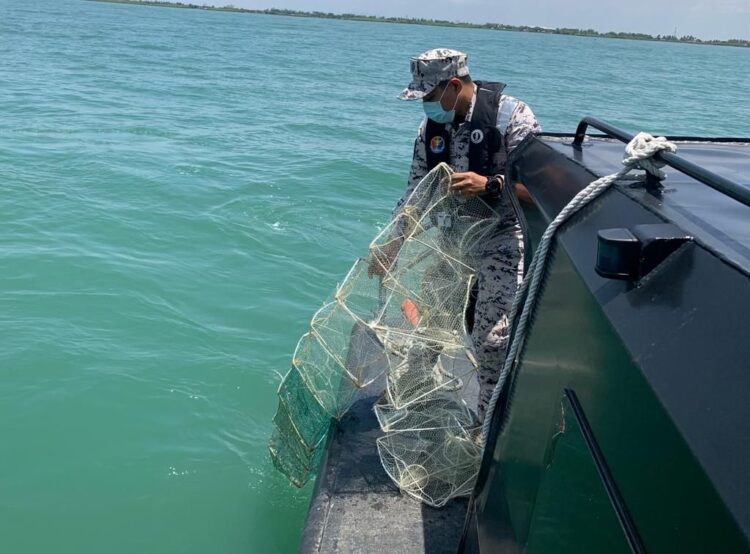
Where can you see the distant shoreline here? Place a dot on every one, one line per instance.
(687, 39)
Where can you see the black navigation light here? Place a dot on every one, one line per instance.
(630, 254)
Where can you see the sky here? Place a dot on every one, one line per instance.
(719, 19)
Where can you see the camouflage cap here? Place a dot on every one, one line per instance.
(431, 68)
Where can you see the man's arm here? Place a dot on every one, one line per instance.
(522, 193)
(522, 123)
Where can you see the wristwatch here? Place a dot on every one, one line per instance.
(494, 184)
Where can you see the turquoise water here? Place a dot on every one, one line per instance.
(180, 190)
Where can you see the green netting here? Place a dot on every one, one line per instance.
(404, 332)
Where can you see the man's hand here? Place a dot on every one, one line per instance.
(468, 184)
(523, 194)
(382, 258)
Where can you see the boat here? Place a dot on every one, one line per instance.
(624, 426)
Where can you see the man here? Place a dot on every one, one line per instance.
(472, 127)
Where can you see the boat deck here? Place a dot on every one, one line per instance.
(356, 507)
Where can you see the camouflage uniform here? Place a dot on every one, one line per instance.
(501, 267)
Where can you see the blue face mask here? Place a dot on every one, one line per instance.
(434, 110)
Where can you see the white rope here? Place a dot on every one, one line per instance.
(639, 154)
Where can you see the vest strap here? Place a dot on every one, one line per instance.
(485, 139)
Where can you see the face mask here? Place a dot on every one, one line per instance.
(434, 110)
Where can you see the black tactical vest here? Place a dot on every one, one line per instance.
(485, 139)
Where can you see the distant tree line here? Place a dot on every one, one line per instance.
(689, 39)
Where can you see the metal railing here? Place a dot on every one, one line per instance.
(717, 182)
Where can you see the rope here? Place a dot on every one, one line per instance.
(639, 154)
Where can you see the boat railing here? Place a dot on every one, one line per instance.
(717, 182)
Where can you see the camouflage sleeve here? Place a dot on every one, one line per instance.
(522, 122)
(418, 167)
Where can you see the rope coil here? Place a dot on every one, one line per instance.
(639, 154)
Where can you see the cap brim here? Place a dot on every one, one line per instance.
(416, 91)
(410, 94)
